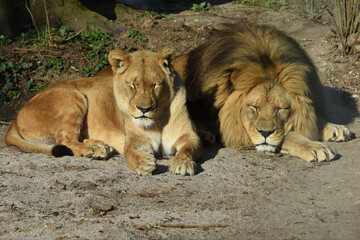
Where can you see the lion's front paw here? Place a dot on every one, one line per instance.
(146, 165)
(317, 152)
(336, 133)
(183, 166)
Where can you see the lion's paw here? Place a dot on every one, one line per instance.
(183, 166)
(336, 133)
(146, 166)
(318, 152)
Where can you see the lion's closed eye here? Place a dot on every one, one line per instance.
(253, 107)
(281, 111)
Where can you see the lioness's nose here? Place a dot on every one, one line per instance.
(144, 109)
(265, 134)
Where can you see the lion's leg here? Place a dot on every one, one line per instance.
(138, 155)
(312, 151)
(189, 149)
(334, 132)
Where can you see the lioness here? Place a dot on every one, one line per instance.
(264, 89)
(139, 110)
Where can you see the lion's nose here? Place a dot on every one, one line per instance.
(144, 109)
(265, 133)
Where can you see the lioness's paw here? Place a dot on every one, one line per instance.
(99, 149)
(318, 152)
(100, 152)
(336, 133)
(182, 166)
(146, 166)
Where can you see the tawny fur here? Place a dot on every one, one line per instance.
(262, 85)
(138, 109)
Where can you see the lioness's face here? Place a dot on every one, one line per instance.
(141, 86)
(267, 116)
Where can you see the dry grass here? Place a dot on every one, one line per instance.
(346, 17)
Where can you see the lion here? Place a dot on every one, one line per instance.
(262, 89)
(139, 110)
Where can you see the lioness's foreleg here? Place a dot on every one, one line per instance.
(188, 149)
(139, 156)
(298, 145)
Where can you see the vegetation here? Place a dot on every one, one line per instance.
(14, 75)
(248, 2)
(151, 14)
(19, 74)
(347, 21)
(276, 5)
(137, 35)
(204, 6)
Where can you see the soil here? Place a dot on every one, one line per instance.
(234, 195)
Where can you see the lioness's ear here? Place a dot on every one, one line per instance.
(165, 57)
(119, 60)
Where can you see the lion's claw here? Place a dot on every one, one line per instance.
(319, 153)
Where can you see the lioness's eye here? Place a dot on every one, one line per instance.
(156, 85)
(132, 85)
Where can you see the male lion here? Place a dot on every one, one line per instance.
(264, 90)
(140, 110)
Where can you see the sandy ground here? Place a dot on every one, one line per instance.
(234, 195)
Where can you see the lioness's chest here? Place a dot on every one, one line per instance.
(158, 145)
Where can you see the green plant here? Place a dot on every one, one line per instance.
(347, 21)
(4, 40)
(21, 230)
(64, 31)
(136, 34)
(14, 78)
(151, 14)
(56, 64)
(187, 28)
(273, 5)
(86, 72)
(94, 40)
(248, 2)
(204, 6)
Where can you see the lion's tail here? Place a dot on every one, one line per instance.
(14, 140)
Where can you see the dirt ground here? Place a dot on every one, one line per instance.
(235, 194)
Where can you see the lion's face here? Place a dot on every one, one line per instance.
(267, 116)
(142, 84)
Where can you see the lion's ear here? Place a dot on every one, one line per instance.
(233, 77)
(119, 60)
(165, 57)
